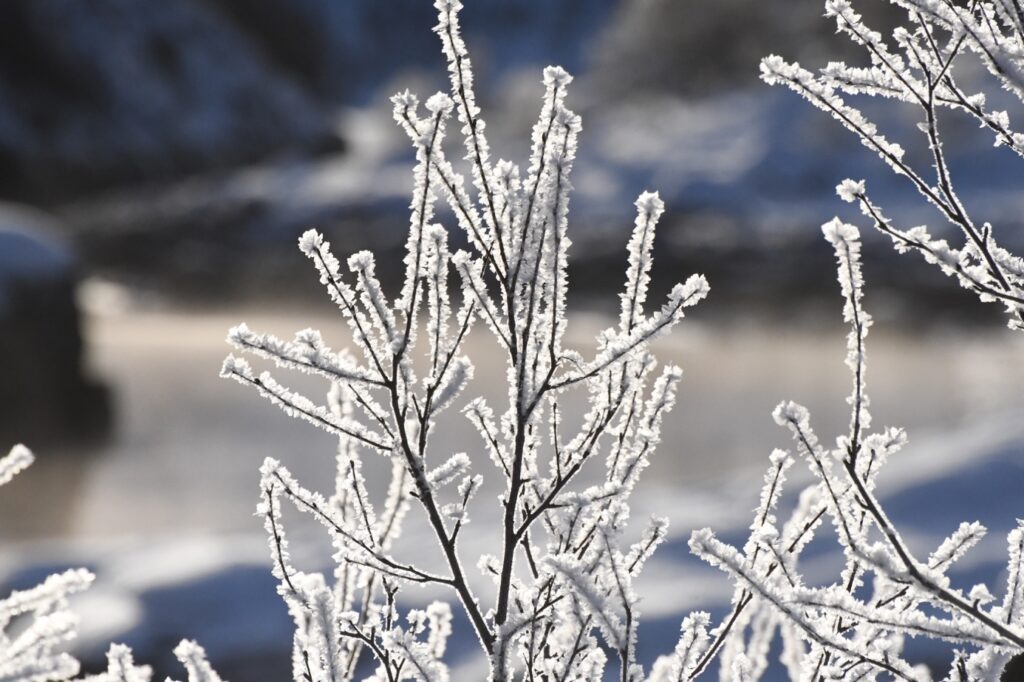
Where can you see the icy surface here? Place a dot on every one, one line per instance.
(189, 445)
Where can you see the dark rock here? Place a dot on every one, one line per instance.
(44, 393)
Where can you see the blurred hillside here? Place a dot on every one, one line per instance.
(698, 49)
(103, 93)
(183, 145)
(97, 94)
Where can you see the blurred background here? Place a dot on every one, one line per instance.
(159, 159)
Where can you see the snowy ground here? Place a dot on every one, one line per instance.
(163, 513)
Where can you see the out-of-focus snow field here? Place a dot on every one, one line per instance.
(164, 512)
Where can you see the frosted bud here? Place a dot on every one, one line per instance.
(694, 289)
(348, 619)
(269, 466)
(980, 594)
(890, 440)
(774, 68)
(19, 458)
(439, 102)
(453, 510)
(556, 76)
(700, 539)
(837, 231)
(240, 332)
(650, 204)
(405, 100)
(310, 242)
(359, 261)
(849, 189)
(193, 657)
(834, 7)
(234, 366)
(789, 412)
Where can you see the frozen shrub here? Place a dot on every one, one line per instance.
(561, 599)
(854, 628)
(561, 573)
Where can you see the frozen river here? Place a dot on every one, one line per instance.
(187, 443)
(169, 500)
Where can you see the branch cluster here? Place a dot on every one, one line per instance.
(560, 571)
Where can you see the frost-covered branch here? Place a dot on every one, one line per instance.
(37, 623)
(923, 72)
